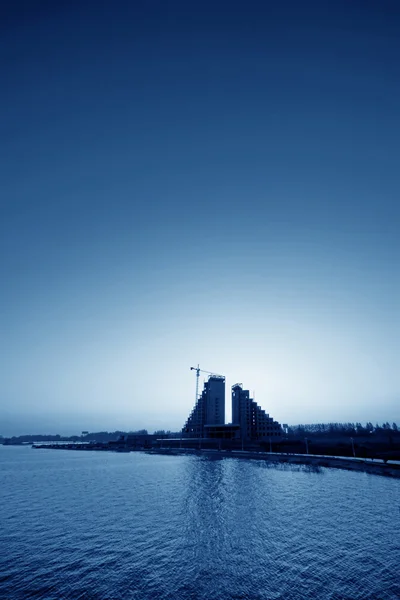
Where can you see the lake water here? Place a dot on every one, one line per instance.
(105, 526)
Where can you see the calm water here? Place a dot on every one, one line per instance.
(132, 526)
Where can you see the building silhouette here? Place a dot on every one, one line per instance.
(250, 422)
(254, 423)
(209, 408)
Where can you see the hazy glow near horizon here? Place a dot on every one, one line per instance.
(199, 186)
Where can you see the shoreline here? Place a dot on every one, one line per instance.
(371, 466)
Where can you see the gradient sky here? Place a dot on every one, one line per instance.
(197, 182)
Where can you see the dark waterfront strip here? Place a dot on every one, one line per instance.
(337, 462)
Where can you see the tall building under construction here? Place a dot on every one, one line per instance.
(249, 421)
(209, 408)
(254, 423)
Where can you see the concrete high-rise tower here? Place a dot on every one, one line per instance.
(209, 408)
(254, 423)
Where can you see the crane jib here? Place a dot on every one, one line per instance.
(198, 371)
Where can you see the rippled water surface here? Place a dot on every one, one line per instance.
(135, 526)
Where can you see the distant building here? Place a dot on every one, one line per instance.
(250, 423)
(209, 408)
(255, 424)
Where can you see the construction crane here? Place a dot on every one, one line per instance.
(198, 371)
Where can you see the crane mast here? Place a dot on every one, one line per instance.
(197, 369)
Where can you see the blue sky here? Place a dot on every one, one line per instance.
(211, 183)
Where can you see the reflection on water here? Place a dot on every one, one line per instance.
(104, 525)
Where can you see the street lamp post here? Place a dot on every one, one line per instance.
(352, 445)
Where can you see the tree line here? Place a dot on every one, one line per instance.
(99, 436)
(343, 429)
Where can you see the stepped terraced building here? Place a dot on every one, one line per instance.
(209, 408)
(254, 423)
(249, 421)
